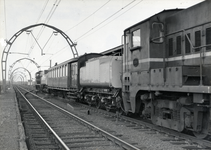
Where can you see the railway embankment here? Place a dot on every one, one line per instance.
(12, 135)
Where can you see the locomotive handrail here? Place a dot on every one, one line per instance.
(166, 35)
(193, 47)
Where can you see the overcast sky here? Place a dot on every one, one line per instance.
(95, 25)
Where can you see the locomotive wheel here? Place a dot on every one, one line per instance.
(200, 135)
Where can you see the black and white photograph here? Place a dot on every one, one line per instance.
(105, 75)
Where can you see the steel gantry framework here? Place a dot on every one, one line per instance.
(26, 29)
(11, 67)
(24, 69)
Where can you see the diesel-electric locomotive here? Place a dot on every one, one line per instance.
(163, 73)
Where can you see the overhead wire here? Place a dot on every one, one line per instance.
(5, 20)
(80, 23)
(89, 16)
(50, 14)
(97, 24)
(105, 20)
(113, 19)
(42, 11)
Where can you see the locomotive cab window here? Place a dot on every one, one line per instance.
(170, 46)
(208, 38)
(187, 43)
(136, 38)
(197, 40)
(179, 45)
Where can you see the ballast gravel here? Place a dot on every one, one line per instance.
(143, 139)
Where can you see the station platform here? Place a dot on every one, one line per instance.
(12, 136)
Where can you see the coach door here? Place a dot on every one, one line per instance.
(74, 73)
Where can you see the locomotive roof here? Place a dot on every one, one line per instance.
(147, 19)
(113, 50)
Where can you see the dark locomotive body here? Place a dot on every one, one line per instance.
(163, 73)
(166, 68)
(41, 80)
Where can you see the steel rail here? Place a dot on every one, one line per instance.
(109, 136)
(169, 132)
(48, 126)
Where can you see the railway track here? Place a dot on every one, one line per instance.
(61, 129)
(181, 139)
(174, 137)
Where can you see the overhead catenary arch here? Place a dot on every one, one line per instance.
(24, 69)
(13, 38)
(17, 75)
(18, 72)
(11, 67)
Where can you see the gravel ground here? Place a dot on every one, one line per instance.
(9, 134)
(142, 139)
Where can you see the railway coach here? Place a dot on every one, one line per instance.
(63, 79)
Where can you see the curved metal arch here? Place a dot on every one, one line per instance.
(11, 67)
(15, 76)
(13, 38)
(18, 72)
(21, 68)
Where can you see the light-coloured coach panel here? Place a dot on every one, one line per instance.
(102, 71)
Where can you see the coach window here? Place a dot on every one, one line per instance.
(57, 72)
(197, 40)
(136, 38)
(60, 71)
(208, 38)
(65, 70)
